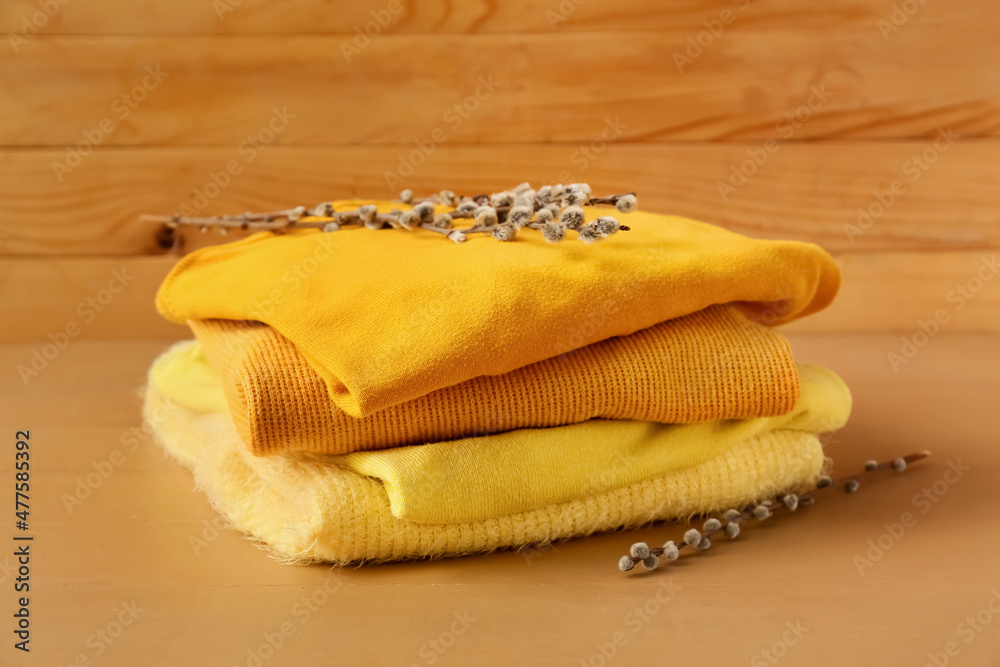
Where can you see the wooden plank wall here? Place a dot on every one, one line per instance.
(113, 108)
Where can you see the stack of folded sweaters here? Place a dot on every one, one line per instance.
(371, 396)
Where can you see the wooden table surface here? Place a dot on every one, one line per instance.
(130, 566)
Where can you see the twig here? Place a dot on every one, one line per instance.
(552, 210)
(731, 520)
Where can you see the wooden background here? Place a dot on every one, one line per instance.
(891, 82)
(893, 76)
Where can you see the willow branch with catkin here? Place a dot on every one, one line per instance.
(553, 210)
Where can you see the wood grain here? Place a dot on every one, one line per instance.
(804, 191)
(357, 118)
(904, 291)
(540, 88)
(48, 300)
(887, 292)
(130, 542)
(112, 17)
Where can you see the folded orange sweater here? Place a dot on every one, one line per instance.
(713, 364)
(390, 316)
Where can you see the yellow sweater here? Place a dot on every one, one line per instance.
(712, 364)
(389, 316)
(324, 508)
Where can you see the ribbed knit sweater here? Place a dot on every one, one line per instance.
(712, 364)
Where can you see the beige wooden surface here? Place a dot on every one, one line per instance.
(596, 97)
(135, 540)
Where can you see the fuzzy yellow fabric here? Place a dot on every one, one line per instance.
(709, 365)
(389, 316)
(313, 507)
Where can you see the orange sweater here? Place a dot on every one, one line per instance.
(710, 365)
(386, 317)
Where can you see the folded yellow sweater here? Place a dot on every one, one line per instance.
(387, 317)
(478, 478)
(709, 365)
(313, 507)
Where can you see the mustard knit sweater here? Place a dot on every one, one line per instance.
(712, 364)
